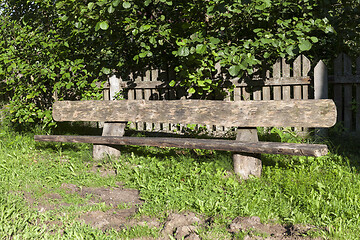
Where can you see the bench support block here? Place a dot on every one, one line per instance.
(246, 164)
(110, 129)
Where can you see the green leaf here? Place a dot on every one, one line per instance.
(100, 3)
(200, 49)
(234, 70)
(201, 83)
(111, 9)
(147, 3)
(214, 40)
(142, 54)
(144, 27)
(126, 4)
(289, 50)
(172, 83)
(69, 85)
(191, 90)
(64, 18)
(91, 5)
(97, 26)
(183, 51)
(106, 70)
(104, 25)
(329, 29)
(305, 45)
(115, 3)
(314, 39)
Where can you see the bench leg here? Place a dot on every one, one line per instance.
(246, 164)
(110, 129)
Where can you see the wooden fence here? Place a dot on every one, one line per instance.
(283, 81)
(344, 87)
(299, 79)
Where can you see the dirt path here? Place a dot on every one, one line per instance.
(124, 203)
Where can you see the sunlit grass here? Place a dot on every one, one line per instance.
(322, 192)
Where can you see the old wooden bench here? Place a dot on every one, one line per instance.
(246, 115)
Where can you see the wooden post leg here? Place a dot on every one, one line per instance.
(110, 129)
(246, 164)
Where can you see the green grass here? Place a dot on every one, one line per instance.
(323, 192)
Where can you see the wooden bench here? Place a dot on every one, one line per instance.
(246, 115)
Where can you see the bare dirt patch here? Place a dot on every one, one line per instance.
(124, 203)
(258, 230)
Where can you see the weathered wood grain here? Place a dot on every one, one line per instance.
(237, 94)
(297, 73)
(277, 74)
(286, 91)
(315, 150)
(246, 164)
(293, 113)
(266, 93)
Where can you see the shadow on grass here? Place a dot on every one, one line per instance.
(345, 145)
(348, 146)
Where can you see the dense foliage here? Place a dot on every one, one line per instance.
(58, 49)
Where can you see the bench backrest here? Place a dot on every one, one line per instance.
(294, 113)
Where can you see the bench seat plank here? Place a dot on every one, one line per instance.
(293, 113)
(315, 150)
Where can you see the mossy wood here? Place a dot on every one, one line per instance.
(315, 150)
(292, 113)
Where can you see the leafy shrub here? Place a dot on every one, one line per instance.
(58, 50)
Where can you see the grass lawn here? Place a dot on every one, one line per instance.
(319, 192)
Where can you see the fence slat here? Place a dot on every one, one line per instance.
(277, 74)
(139, 96)
(358, 108)
(358, 96)
(148, 96)
(320, 81)
(257, 95)
(131, 96)
(297, 67)
(338, 96)
(266, 93)
(306, 65)
(347, 93)
(305, 72)
(338, 91)
(297, 73)
(347, 106)
(245, 93)
(338, 66)
(304, 69)
(347, 65)
(237, 94)
(285, 73)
